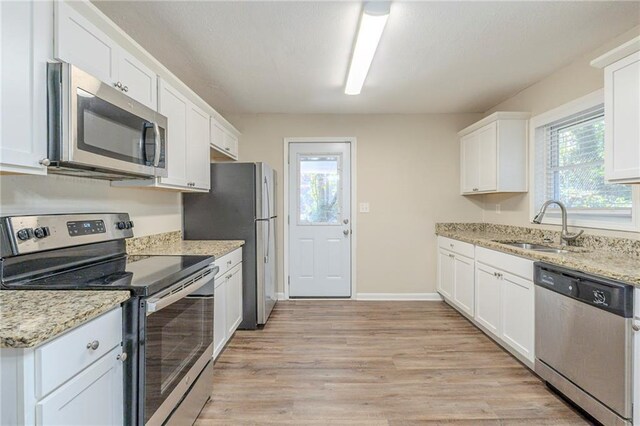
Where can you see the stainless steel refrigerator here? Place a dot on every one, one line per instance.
(241, 206)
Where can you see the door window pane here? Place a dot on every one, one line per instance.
(319, 189)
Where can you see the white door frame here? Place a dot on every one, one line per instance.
(353, 144)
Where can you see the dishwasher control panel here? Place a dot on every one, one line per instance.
(609, 295)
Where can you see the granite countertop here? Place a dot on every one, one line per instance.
(215, 248)
(30, 317)
(614, 264)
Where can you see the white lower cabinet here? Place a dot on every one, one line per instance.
(219, 316)
(227, 313)
(234, 299)
(446, 272)
(494, 289)
(74, 379)
(455, 273)
(463, 289)
(95, 396)
(518, 315)
(488, 298)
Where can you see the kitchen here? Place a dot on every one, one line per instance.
(444, 159)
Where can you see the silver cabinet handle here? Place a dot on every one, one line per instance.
(125, 89)
(475, 189)
(229, 262)
(452, 256)
(228, 149)
(93, 345)
(122, 357)
(118, 85)
(45, 162)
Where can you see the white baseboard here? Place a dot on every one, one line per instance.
(280, 296)
(399, 296)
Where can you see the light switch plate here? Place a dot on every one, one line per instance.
(364, 207)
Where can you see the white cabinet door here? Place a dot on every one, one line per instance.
(487, 159)
(622, 120)
(234, 299)
(81, 43)
(464, 283)
(138, 81)
(446, 273)
(518, 314)
(231, 144)
(469, 159)
(173, 105)
(26, 44)
(219, 316)
(217, 135)
(223, 141)
(197, 145)
(93, 397)
(488, 298)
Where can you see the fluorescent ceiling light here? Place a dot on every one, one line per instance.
(374, 18)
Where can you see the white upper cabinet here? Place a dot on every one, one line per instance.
(26, 44)
(224, 142)
(622, 112)
(175, 107)
(80, 42)
(493, 154)
(197, 146)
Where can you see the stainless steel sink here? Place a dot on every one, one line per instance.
(532, 246)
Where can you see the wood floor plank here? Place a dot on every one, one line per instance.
(375, 363)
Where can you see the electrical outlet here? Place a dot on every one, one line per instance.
(364, 207)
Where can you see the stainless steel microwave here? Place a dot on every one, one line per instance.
(97, 131)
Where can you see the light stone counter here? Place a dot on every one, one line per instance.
(31, 317)
(613, 258)
(171, 243)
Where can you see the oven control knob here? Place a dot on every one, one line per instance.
(24, 234)
(130, 224)
(39, 233)
(121, 225)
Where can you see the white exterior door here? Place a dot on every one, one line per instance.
(320, 219)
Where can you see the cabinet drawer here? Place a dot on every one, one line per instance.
(513, 264)
(456, 246)
(228, 261)
(67, 355)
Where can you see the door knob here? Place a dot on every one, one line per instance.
(345, 232)
(346, 221)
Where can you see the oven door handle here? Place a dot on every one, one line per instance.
(158, 303)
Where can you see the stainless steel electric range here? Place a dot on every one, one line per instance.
(168, 322)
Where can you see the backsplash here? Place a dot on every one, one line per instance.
(140, 244)
(592, 242)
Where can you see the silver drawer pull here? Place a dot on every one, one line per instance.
(229, 262)
(93, 345)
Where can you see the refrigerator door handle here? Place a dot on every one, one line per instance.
(266, 187)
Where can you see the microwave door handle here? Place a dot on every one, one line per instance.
(143, 142)
(156, 159)
(159, 303)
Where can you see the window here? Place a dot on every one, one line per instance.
(569, 167)
(319, 189)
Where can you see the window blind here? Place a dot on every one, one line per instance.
(570, 154)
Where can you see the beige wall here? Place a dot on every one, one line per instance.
(407, 169)
(153, 211)
(571, 82)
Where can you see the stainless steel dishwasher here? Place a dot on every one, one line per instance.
(584, 340)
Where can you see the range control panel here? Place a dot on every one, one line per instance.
(86, 227)
(28, 234)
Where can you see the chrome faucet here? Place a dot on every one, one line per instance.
(565, 235)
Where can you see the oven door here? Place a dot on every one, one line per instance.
(176, 343)
(103, 129)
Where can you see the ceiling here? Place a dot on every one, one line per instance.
(434, 57)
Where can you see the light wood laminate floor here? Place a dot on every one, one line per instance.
(375, 363)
